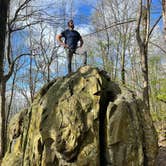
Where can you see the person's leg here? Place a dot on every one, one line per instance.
(69, 56)
(85, 58)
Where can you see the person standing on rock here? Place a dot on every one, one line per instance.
(72, 38)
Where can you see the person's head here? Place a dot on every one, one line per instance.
(70, 24)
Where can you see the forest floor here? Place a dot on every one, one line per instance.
(161, 129)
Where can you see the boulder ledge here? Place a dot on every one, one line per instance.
(83, 119)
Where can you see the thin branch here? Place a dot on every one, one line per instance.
(25, 26)
(108, 27)
(11, 69)
(157, 21)
(164, 51)
(22, 6)
(162, 100)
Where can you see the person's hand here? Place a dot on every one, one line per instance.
(64, 45)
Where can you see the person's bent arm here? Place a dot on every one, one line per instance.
(81, 42)
(59, 39)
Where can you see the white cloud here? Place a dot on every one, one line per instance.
(84, 29)
(43, 2)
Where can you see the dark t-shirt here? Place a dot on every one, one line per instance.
(71, 38)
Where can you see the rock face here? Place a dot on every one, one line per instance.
(82, 120)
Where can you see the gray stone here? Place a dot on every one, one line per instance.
(83, 119)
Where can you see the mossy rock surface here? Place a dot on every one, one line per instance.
(83, 119)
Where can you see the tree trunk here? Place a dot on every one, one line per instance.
(164, 16)
(144, 18)
(3, 18)
(3, 133)
(144, 68)
(123, 68)
(123, 62)
(4, 4)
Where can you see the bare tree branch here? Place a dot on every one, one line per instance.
(21, 7)
(164, 51)
(157, 21)
(111, 26)
(138, 24)
(11, 69)
(25, 26)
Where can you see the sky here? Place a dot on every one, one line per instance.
(156, 11)
(82, 10)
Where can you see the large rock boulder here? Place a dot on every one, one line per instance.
(83, 119)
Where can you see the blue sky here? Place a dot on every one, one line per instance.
(156, 11)
(83, 16)
(84, 11)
